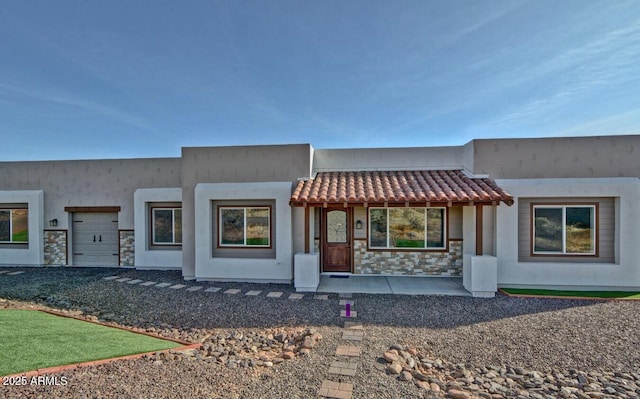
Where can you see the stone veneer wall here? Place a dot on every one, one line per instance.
(418, 263)
(127, 248)
(55, 247)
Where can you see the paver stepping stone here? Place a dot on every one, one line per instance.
(253, 293)
(296, 296)
(105, 278)
(232, 291)
(177, 286)
(195, 288)
(123, 279)
(213, 289)
(323, 297)
(148, 283)
(347, 350)
(347, 301)
(343, 368)
(353, 314)
(7, 271)
(162, 285)
(274, 294)
(15, 273)
(352, 325)
(345, 295)
(337, 390)
(134, 281)
(353, 335)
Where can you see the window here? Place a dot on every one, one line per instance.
(245, 227)
(14, 226)
(420, 228)
(167, 226)
(564, 229)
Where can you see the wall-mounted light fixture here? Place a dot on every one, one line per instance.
(359, 224)
(53, 223)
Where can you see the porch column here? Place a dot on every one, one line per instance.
(479, 218)
(306, 229)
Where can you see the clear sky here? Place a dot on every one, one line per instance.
(134, 78)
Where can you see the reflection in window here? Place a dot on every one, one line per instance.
(248, 227)
(564, 229)
(167, 226)
(421, 228)
(14, 226)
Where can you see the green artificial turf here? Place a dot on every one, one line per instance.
(583, 294)
(31, 340)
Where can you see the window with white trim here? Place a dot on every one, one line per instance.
(244, 227)
(564, 230)
(14, 226)
(414, 228)
(166, 226)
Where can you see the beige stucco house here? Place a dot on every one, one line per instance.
(552, 212)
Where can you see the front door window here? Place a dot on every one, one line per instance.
(337, 226)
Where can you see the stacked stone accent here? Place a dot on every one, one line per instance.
(403, 263)
(55, 247)
(127, 250)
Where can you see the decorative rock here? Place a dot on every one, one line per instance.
(390, 356)
(308, 343)
(288, 355)
(456, 394)
(394, 368)
(405, 376)
(419, 376)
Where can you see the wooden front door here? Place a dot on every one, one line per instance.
(336, 240)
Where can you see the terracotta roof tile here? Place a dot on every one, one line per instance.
(405, 186)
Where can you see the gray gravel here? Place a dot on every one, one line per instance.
(549, 336)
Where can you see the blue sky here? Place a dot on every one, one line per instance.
(118, 79)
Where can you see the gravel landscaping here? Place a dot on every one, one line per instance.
(413, 347)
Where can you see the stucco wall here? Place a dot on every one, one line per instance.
(241, 164)
(390, 158)
(278, 269)
(623, 273)
(90, 183)
(146, 257)
(565, 157)
(33, 253)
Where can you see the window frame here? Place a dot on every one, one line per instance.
(564, 206)
(244, 208)
(153, 241)
(445, 225)
(11, 233)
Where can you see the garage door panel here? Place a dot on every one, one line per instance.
(95, 239)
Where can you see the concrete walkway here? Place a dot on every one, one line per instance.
(393, 285)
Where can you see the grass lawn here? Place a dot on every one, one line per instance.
(31, 340)
(582, 294)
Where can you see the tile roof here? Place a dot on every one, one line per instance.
(399, 187)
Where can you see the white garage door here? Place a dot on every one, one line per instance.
(95, 238)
